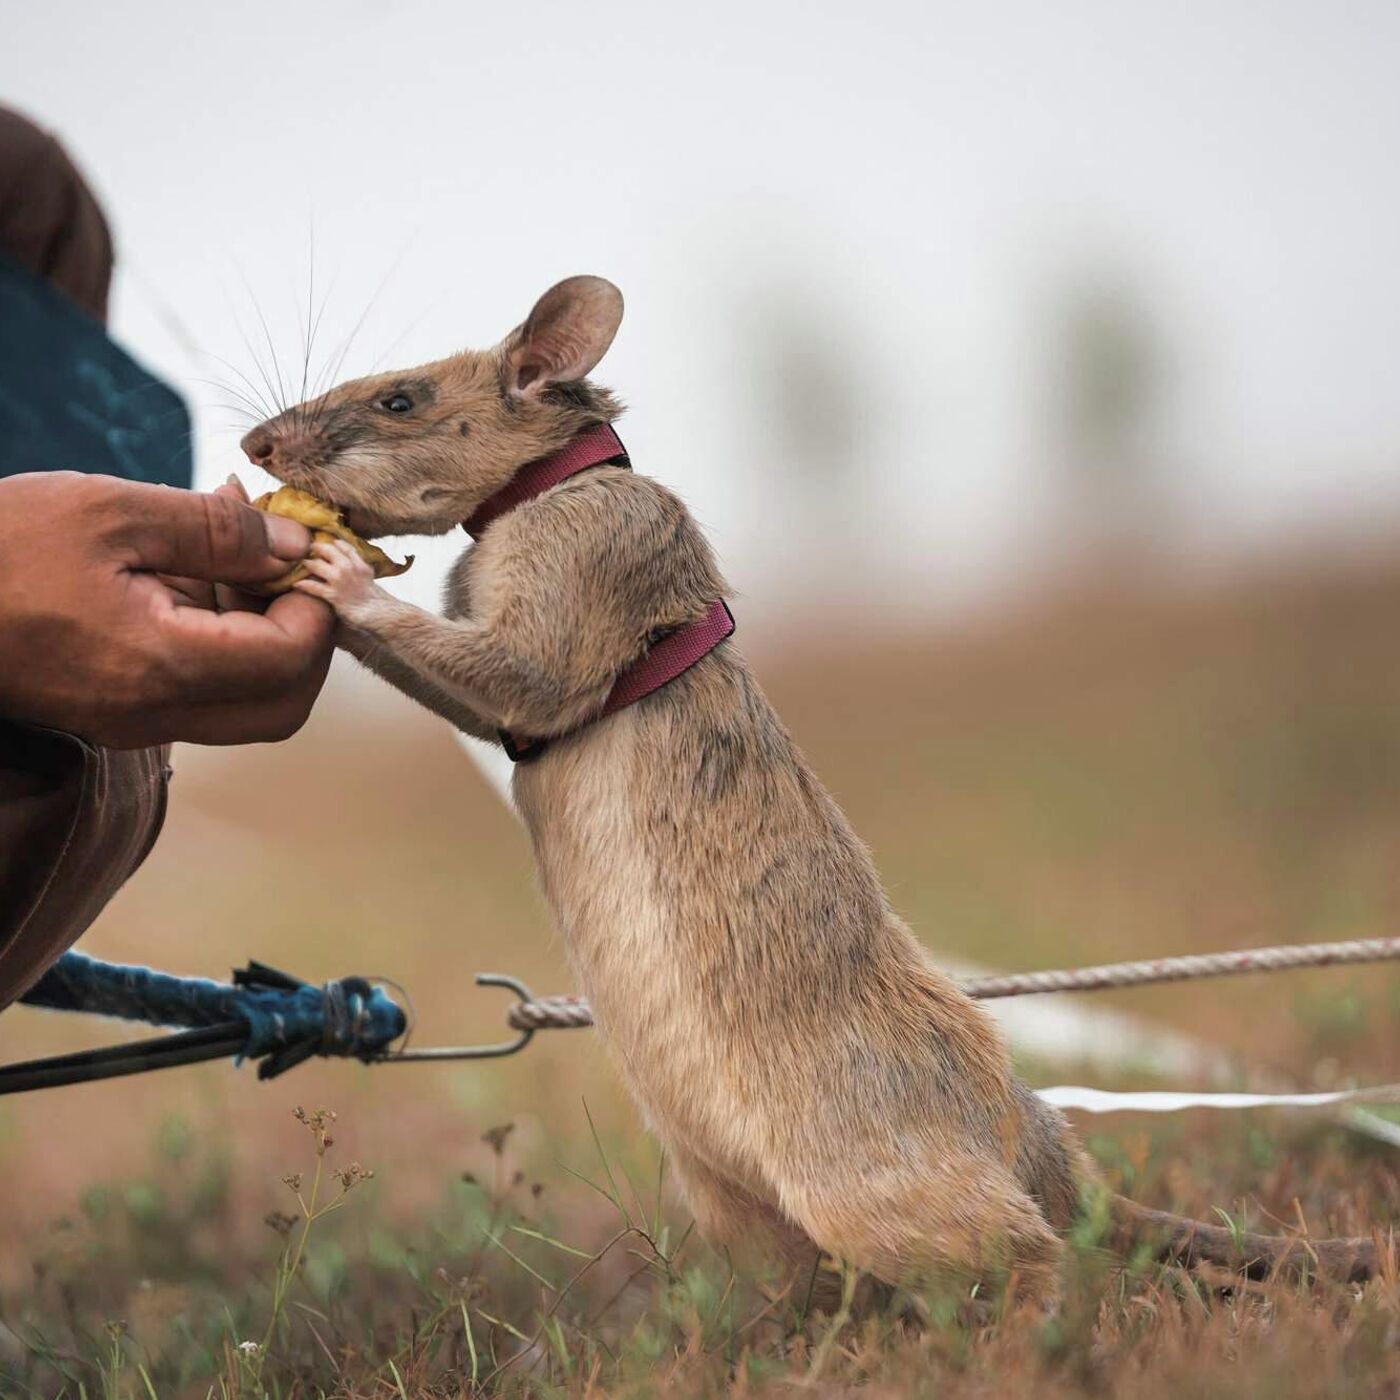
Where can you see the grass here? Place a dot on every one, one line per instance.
(588, 1282)
(1111, 776)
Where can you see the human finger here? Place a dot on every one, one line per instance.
(194, 535)
(207, 656)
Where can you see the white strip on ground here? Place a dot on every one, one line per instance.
(1165, 1101)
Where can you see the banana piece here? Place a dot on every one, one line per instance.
(325, 523)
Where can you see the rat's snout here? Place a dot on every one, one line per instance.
(278, 445)
(259, 445)
(285, 448)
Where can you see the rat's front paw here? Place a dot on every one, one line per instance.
(341, 578)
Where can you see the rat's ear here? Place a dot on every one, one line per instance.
(566, 334)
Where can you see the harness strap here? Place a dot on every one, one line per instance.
(598, 447)
(672, 654)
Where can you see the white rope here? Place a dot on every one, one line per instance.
(1191, 965)
(568, 1013)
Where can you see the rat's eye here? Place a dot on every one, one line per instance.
(396, 403)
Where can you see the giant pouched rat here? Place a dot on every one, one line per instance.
(820, 1087)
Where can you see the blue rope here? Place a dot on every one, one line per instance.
(286, 1019)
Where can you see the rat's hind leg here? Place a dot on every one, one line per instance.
(739, 1223)
(957, 1220)
(749, 1229)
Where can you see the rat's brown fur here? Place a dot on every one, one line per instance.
(819, 1085)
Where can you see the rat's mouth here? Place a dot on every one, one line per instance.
(316, 477)
(311, 482)
(366, 526)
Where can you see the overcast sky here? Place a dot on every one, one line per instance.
(842, 230)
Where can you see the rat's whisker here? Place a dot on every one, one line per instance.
(364, 315)
(224, 387)
(281, 396)
(273, 394)
(318, 407)
(238, 409)
(254, 415)
(316, 394)
(262, 372)
(309, 322)
(304, 322)
(254, 390)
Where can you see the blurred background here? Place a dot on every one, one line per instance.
(1034, 369)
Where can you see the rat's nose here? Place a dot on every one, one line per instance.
(258, 445)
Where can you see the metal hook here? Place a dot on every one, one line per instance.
(472, 1052)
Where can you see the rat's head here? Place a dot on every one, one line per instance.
(415, 452)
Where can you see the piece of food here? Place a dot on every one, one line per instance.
(324, 522)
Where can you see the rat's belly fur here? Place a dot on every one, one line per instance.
(779, 1027)
(621, 941)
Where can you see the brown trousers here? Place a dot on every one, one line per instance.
(75, 821)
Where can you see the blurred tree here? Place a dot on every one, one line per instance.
(1109, 379)
(808, 401)
(813, 391)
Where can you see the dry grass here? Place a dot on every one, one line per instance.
(514, 1286)
(1108, 777)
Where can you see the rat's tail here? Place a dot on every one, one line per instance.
(1185, 1241)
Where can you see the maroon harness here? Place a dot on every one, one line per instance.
(667, 658)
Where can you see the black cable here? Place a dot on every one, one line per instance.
(164, 1052)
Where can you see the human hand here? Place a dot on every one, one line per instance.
(114, 622)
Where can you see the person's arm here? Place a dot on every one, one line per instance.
(110, 625)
